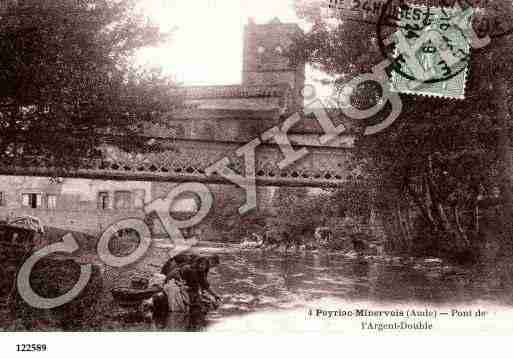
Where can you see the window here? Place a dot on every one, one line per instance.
(139, 198)
(209, 132)
(2, 199)
(122, 200)
(177, 131)
(103, 200)
(51, 201)
(31, 200)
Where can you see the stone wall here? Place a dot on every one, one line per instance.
(225, 209)
(79, 211)
(92, 222)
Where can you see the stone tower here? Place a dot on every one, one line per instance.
(266, 61)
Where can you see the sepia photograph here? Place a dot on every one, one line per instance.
(244, 166)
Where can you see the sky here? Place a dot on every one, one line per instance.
(206, 48)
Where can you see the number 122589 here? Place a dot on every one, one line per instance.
(30, 347)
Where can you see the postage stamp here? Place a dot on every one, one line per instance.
(431, 51)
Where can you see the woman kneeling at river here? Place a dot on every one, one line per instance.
(195, 278)
(185, 288)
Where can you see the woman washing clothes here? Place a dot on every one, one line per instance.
(178, 260)
(185, 286)
(195, 277)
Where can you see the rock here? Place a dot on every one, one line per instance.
(432, 261)
(250, 244)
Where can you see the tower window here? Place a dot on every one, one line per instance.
(2, 199)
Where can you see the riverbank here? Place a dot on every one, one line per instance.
(254, 281)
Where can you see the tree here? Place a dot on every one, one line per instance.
(441, 156)
(66, 78)
(298, 213)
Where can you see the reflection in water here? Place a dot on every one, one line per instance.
(251, 281)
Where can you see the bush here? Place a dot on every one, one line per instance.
(51, 278)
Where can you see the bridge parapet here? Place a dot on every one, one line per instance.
(187, 160)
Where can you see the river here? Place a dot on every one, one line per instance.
(255, 281)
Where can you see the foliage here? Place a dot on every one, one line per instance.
(441, 156)
(66, 76)
(299, 212)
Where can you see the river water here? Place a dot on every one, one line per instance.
(255, 281)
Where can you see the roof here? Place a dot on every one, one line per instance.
(234, 100)
(232, 91)
(225, 113)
